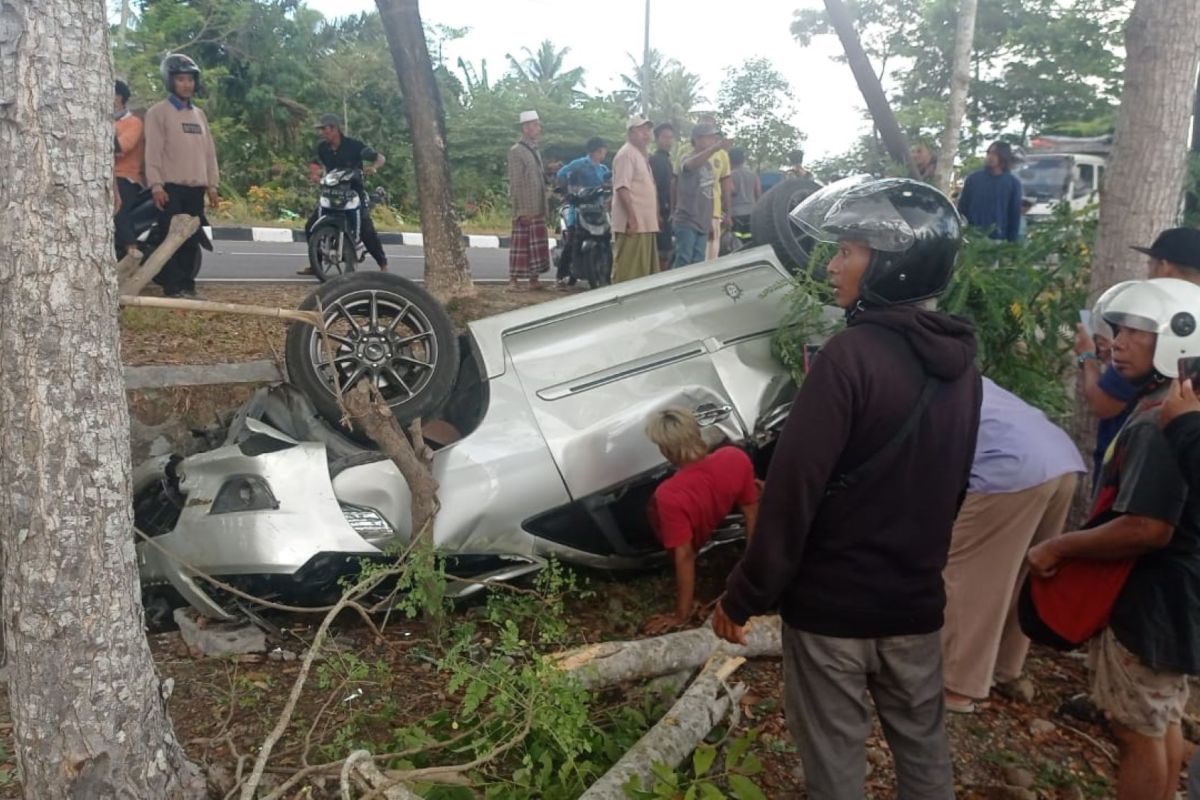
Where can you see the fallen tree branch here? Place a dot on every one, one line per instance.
(694, 715)
(361, 764)
(610, 663)
(182, 228)
(180, 304)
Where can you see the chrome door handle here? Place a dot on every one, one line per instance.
(710, 414)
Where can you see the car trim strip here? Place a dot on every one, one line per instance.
(620, 372)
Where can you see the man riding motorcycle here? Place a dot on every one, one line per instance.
(337, 151)
(585, 172)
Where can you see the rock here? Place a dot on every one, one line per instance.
(217, 639)
(1018, 777)
(1015, 793)
(279, 654)
(1021, 690)
(1042, 727)
(875, 756)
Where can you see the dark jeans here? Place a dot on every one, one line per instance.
(179, 274)
(128, 191)
(367, 232)
(566, 256)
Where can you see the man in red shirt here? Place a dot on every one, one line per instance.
(688, 506)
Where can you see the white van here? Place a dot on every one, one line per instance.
(1052, 178)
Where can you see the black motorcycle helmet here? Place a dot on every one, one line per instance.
(178, 64)
(913, 230)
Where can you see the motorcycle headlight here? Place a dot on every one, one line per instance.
(244, 493)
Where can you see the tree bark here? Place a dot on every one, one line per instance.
(694, 715)
(447, 273)
(872, 90)
(1145, 177)
(960, 81)
(89, 713)
(607, 664)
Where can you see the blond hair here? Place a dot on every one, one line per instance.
(677, 435)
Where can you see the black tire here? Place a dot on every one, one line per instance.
(322, 245)
(769, 223)
(384, 328)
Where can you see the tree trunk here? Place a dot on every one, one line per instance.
(960, 81)
(678, 733)
(868, 83)
(1145, 177)
(88, 710)
(447, 273)
(599, 666)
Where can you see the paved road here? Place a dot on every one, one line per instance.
(270, 262)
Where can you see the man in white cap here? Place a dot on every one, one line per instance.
(635, 210)
(529, 250)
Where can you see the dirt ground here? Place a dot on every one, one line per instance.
(223, 708)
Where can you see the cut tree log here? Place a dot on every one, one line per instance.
(180, 304)
(183, 227)
(610, 663)
(362, 767)
(702, 707)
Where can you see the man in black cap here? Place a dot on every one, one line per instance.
(337, 151)
(1175, 254)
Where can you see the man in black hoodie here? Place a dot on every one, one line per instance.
(861, 496)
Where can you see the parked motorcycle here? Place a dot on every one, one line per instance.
(588, 243)
(335, 241)
(140, 222)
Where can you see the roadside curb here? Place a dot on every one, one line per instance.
(252, 234)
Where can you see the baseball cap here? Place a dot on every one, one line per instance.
(637, 122)
(705, 129)
(327, 120)
(528, 116)
(1178, 245)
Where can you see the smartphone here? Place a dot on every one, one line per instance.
(1085, 318)
(1189, 369)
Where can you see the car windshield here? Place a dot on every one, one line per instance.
(1045, 177)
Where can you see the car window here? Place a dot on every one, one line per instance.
(1085, 180)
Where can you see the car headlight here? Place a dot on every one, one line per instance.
(244, 493)
(366, 522)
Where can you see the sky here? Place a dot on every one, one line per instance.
(828, 103)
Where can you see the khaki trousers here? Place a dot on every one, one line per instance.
(982, 640)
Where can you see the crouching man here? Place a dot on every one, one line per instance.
(689, 505)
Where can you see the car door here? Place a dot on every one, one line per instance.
(697, 338)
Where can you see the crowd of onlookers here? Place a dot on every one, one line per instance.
(671, 208)
(911, 527)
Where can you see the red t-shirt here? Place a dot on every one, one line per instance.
(691, 503)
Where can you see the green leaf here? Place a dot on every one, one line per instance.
(744, 788)
(702, 759)
(665, 774)
(750, 765)
(735, 752)
(709, 791)
(690, 794)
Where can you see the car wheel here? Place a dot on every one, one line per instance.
(769, 222)
(323, 253)
(384, 329)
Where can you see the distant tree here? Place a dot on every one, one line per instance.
(756, 105)
(543, 72)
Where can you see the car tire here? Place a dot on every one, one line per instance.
(321, 242)
(385, 328)
(770, 224)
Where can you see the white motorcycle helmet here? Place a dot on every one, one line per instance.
(1099, 326)
(1167, 307)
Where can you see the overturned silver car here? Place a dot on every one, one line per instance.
(537, 415)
